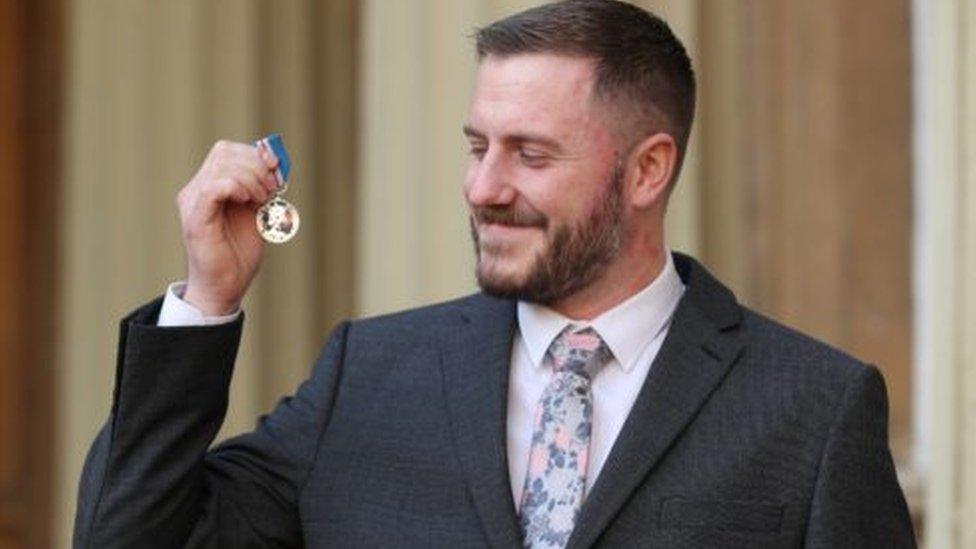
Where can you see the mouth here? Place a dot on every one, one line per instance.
(503, 229)
(501, 238)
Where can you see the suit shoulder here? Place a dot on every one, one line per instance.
(773, 343)
(444, 313)
(805, 375)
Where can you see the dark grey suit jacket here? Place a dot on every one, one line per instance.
(745, 434)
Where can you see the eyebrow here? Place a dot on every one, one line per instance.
(517, 138)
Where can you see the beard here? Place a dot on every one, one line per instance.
(573, 257)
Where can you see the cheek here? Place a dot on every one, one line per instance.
(561, 204)
(545, 192)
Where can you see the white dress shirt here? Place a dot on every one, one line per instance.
(633, 330)
(176, 312)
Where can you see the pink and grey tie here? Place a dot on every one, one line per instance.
(555, 482)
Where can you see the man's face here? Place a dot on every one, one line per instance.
(544, 178)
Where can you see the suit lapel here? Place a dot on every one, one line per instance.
(697, 353)
(475, 362)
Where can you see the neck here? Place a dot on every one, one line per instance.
(623, 278)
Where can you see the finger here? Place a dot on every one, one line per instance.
(206, 201)
(251, 172)
(257, 191)
(236, 189)
(224, 150)
(259, 160)
(262, 157)
(225, 155)
(270, 177)
(229, 189)
(269, 157)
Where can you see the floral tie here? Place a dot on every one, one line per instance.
(555, 482)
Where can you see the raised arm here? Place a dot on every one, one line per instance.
(149, 480)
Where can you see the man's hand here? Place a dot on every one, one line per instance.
(217, 208)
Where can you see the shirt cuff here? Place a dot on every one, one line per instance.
(176, 312)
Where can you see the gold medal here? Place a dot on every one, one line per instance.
(278, 221)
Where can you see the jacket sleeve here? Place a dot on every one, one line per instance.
(149, 479)
(857, 500)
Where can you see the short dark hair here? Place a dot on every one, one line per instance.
(642, 69)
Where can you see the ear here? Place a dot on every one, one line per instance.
(651, 164)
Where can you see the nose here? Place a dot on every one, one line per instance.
(488, 182)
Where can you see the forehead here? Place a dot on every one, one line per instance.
(546, 92)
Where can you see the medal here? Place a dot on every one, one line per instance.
(277, 219)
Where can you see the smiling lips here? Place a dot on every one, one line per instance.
(502, 237)
(504, 229)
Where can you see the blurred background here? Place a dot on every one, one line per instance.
(831, 183)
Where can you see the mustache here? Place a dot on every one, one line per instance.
(518, 216)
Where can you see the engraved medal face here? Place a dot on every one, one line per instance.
(278, 221)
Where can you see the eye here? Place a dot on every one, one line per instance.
(477, 150)
(532, 158)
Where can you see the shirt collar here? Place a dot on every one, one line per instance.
(627, 328)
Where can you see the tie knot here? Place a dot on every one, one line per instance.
(581, 352)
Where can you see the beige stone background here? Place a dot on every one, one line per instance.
(370, 97)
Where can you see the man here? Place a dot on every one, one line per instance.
(599, 391)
